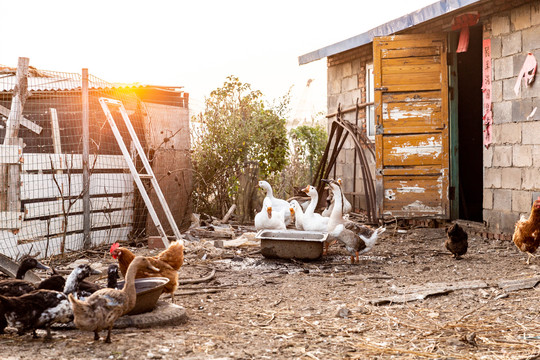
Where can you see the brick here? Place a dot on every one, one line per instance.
(509, 133)
(531, 40)
(502, 112)
(488, 199)
(521, 201)
(349, 83)
(511, 43)
(503, 68)
(492, 178)
(500, 25)
(511, 178)
(488, 157)
(530, 133)
(520, 18)
(502, 156)
(522, 156)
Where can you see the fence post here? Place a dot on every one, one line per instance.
(86, 159)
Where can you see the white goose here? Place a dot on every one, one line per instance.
(276, 204)
(357, 238)
(298, 212)
(347, 207)
(313, 221)
(269, 219)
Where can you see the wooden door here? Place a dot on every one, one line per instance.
(411, 107)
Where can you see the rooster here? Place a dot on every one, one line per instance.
(527, 232)
(456, 241)
(168, 262)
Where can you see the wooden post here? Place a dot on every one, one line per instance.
(57, 144)
(86, 159)
(10, 174)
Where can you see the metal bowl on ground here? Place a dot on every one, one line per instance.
(291, 244)
(10, 267)
(148, 292)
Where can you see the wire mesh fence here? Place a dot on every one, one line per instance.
(42, 198)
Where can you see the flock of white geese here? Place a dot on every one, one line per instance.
(276, 214)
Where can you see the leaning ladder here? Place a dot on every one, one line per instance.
(105, 102)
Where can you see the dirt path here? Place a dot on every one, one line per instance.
(255, 308)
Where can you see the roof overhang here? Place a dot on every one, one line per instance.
(417, 17)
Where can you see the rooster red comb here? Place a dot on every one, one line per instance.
(114, 247)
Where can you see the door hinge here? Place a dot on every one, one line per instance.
(379, 130)
(382, 88)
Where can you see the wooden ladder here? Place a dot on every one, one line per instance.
(105, 102)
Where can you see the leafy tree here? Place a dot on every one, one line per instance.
(235, 128)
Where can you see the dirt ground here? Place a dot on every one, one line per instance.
(257, 308)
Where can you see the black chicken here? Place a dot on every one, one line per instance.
(456, 241)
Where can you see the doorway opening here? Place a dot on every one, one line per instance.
(470, 134)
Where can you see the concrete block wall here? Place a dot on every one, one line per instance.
(346, 78)
(512, 162)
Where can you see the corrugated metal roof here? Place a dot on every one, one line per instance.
(417, 17)
(40, 80)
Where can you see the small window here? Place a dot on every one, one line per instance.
(370, 97)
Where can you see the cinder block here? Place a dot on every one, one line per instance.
(530, 179)
(349, 83)
(508, 89)
(522, 156)
(511, 43)
(488, 157)
(488, 199)
(521, 201)
(535, 13)
(346, 69)
(502, 156)
(492, 178)
(520, 18)
(536, 155)
(533, 91)
(508, 222)
(531, 40)
(497, 91)
(502, 112)
(530, 132)
(492, 219)
(500, 25)
(496, 47)
(510, 133)
(511, 178)
(503, 68)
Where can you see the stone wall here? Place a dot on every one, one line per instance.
(512, 162)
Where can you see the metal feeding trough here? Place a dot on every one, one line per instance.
(291, 244)
(148, 292)
(10, 267)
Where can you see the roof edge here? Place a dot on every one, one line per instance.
(406, 21)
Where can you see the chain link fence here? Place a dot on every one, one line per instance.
(43, 193)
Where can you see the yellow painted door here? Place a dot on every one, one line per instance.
(411, 108)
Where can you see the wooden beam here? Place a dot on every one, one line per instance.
(24, 121)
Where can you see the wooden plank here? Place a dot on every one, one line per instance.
(414, 96)
(405, 70)
(10, 154)
(42, 162)
(412, 117)
(414, 195)
(11, 220)
(422, 81)
(39, 186)
(407, 53)
(54, 207)
(412, 149)
(24, 121)
(410, 61)
(40, 229)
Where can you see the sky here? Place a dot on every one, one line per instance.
(194, 44)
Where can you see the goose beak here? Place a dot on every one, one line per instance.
(269, 211)
(306, 189)
(292, 211)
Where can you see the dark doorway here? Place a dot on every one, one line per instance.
(470, 135)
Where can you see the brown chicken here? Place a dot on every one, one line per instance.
(527, 231)
(456, 241)
(168, 262)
